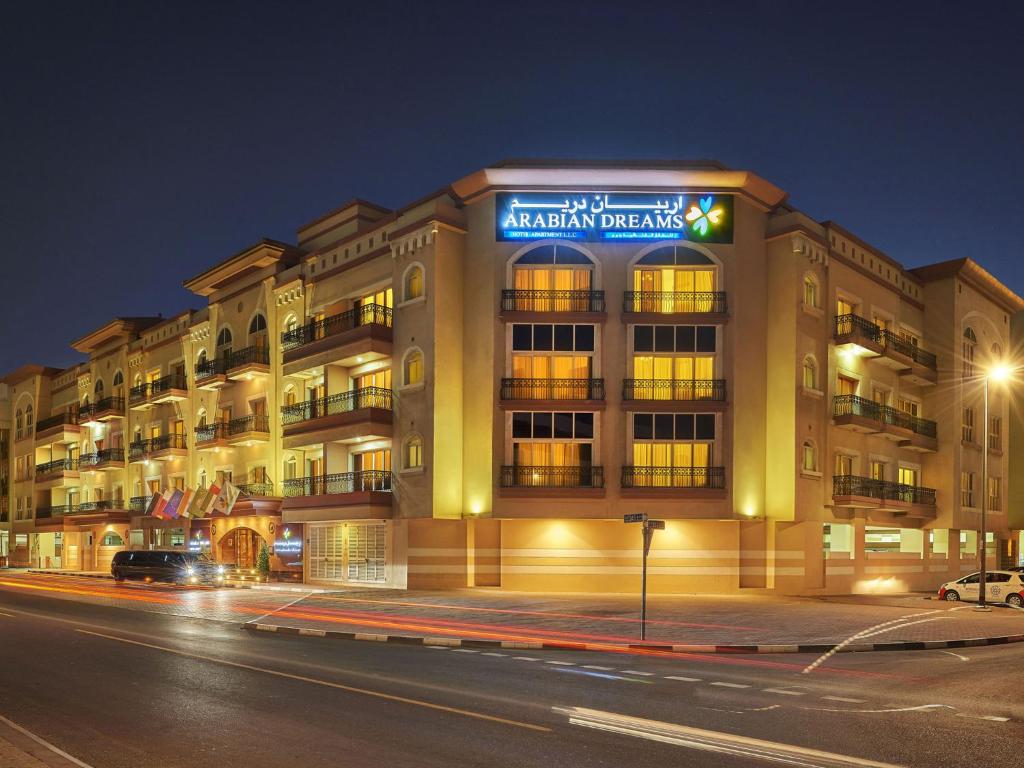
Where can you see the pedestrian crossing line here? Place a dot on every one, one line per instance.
(729, 685)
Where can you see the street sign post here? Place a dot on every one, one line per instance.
(648, 528)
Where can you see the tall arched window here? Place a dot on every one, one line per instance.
(413, 458)
(98, 389)
(556, 278)
(28, 419)
(117, 385)
(810, 291)
(258, 331)
(201, 418)
(969, 344)
(810, 377)
(412, 367)
(413, 282)
(224, 341)
(675, 278)
(809, 460)
(19, 424)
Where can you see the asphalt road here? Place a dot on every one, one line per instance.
(116, 687)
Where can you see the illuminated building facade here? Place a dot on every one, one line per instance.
(472, 390)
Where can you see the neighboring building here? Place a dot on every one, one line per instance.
(473, 389)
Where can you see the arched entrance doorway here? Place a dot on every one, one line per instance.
(240, 546)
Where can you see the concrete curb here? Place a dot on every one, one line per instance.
(71, 573)
(518, 645)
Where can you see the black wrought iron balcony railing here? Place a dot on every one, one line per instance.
(208, 368)
(854, 405)
(86, 460)
(254, 422)
(138, 393)
(343, 402)
(552, 389)
(137, 450)
(883, 490)
(94, 506)
(855, 326)
(46, 513)
(675, 302)
(58, 465)
(68, 417)
(256, 489)
(105, 405)
(518, 300)
(167, 383)
(110, 455)
(139, 503)
(254, 355)
(673, 477)
(343, 482)
(166, 442)
(519, 476)
(217, 430)
(673, 389)
(367, 314)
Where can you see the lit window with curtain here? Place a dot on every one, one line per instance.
(674, 362)
(552, 278)
(970, 341)
(810, 373)
(552, 362)
(672, 449)
(810, 291)
(675, 279)
(552, 449)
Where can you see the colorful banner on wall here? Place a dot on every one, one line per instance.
(613, 216)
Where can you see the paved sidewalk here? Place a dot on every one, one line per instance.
(18, 749)
(705, 621)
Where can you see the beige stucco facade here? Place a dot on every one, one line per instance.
(820, 429)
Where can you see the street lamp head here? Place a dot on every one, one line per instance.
(1000, 372)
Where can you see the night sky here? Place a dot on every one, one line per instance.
(141, 143)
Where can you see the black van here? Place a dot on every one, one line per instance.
(166, 565)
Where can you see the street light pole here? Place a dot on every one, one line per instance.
(984, 500)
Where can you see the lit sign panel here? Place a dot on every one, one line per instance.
(613, 216)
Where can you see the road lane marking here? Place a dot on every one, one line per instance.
(598, 667)
(560, 663)
(713, 741)
(729, 685)
(43, 742)
(525, 658)
(950, 653)
(8, 615)
(921, 708)
(465, 650)
(784, 692)
(491, 653)
(878, 629)
(682, 679)
(845, 699)
(326, 683)
(636, 672)
(993, 718)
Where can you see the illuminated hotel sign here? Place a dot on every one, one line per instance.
(613, 216)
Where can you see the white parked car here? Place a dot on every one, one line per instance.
(1000, 587)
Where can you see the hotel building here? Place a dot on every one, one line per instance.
(473, 389)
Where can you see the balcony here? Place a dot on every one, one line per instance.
(138, 397)
(94, 506)
(138, 451)
(689, 481)
(256, 489)
(525, 393)
(359, 335)
(584, 477)
(661, 394)
(248, 363)
(168, 389)
(345, 417)
(139, 503)
(211, 437)
(674, 307)
(867, 339)
(50, 513)
(56, 473)
(521, 305)
(346, 495)
(883, 495)
(246, 430)
(866, 416)
(109, 458)
(62, 428)
(212, 374)
(105, 409)
(163, 447)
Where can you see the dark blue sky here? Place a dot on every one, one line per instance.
(142, 142)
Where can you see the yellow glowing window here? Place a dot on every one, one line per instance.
(674, 290)
(551, 289)
(414, 283)
(551, 366)
(908, 476)
(672, 378)
(414, 452)
(413, 368)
